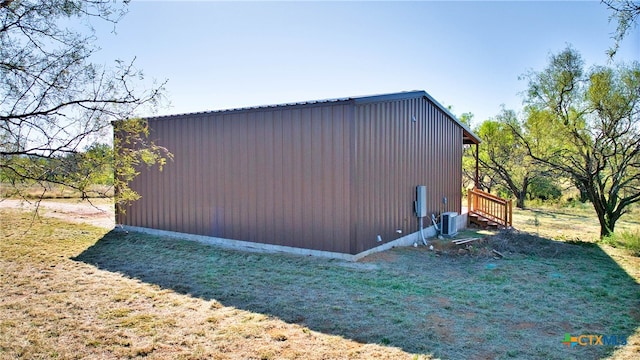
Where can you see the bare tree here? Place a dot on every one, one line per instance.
(54, 101)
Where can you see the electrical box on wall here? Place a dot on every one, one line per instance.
(421, 201)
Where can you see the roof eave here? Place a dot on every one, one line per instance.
(469, 137)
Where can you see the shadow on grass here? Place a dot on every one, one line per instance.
(553, 213)
(452, 307)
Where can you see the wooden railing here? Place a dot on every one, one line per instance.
(491, 207)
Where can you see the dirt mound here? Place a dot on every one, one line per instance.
(504, 243)
(513, 241)
(476, 248)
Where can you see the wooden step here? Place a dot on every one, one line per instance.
(475, 219)
(483, 222)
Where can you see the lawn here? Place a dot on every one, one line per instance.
(74, 291)
(575, 222)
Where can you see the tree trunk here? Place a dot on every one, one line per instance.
(520, 197)
(605, 231)
(584, 195)
(606, 225)
(606, 216)
(522, 194)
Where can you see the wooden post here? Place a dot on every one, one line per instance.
(477, 179)
(469, 195)
(506, 214)
(475, 200)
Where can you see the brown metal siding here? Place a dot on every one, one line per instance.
(319, 176)
(277, 176)
(392, 155)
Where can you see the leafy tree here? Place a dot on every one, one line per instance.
(544, 188)
(626, 13)
(502, 153)
(469, 169)
(468, 157)
(591, 123)
(54, 101)
(487, 178)
(131, 153)
(100, 159)
(466, 118)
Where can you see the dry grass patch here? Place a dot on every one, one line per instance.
(450, 306)
(56, 307)
(50, 191)
(97, 212)
(76, 291)
(576, 222)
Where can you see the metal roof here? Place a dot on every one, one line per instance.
(468, 136)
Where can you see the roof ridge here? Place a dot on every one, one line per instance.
(390, 96)
(356, 99)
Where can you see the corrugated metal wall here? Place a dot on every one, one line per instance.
(277, 176)
(393, 154)
(329, 176)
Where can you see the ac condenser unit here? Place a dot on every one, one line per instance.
(449, 224)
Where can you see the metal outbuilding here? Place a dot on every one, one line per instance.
(331, 177)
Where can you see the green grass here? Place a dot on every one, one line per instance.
(77, 291)
(575, 222)
(56, 304)
(625, 239)
(451, 307)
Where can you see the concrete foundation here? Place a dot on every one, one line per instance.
(407, 240)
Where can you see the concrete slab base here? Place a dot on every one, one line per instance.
(407, 240)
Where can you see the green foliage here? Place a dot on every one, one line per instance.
(587, 129)
(55, 101)
(98, 165)
(133, 151)
(626, 13)
(83, 169)
(626, 239)
(79, 171)
(503, 157)
(544, 188)
(466, 118)
(99, 158)
(469, 168)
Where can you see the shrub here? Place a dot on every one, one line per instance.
(625, 239)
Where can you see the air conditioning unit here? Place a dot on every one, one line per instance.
(449, 223)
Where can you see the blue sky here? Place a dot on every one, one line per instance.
(469, 55)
